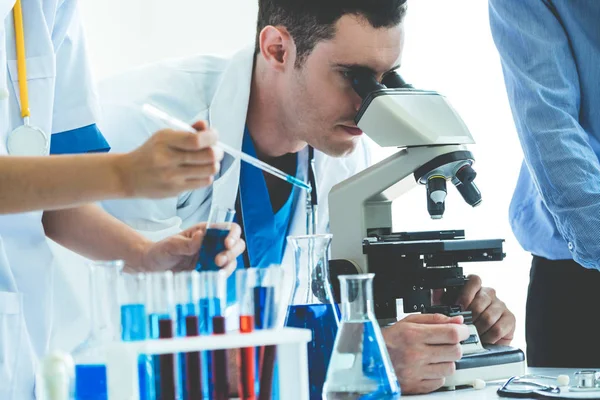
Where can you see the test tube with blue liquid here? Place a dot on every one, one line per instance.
(209, 307)
(133, 298)
(267, 299)
(216, 291)
(187, 294)
(162, 315)
(217, 229)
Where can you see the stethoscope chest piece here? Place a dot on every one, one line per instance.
(28, 140)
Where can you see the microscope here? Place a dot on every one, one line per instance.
(409, 266)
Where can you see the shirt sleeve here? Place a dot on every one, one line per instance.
(75, 110)
(542, 84)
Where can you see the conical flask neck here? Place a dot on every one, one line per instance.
(357, 297)
(312, 269)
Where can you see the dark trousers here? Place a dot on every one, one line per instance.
(562, 324)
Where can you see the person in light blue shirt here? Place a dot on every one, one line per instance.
(550, 54)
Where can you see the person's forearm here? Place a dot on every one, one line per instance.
(58, 182)
(95, 234)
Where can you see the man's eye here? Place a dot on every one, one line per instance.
(346, 74)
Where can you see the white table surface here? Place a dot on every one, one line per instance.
(490, 390)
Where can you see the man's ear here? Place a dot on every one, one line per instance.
(277, 47)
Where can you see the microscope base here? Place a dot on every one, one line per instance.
(497, 362)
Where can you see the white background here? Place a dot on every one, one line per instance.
(448, 48)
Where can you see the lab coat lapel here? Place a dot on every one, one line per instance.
(227, 114)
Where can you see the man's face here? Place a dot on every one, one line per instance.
(320, 102)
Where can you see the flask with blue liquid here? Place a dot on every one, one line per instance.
(312, 306)
(89, 357)
(360, 366)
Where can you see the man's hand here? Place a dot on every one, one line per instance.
(423, 349)
(170, 162)
(180, 252)
(494, 321)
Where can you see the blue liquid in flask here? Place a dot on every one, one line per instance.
(212, 244)
(368, 380)
(321, 320)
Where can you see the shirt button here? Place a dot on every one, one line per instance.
(3, 93)
(570, 246)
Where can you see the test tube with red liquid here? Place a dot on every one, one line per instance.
(216, 290)
(162, 315)
(245, 283)
(187, 295)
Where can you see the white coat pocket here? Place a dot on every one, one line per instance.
(11, 326)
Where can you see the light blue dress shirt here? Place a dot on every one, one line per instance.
(550, 54)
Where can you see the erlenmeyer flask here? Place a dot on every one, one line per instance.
(360, 366)
(90, 362)
(311, 305)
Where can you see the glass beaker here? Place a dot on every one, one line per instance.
(217, 229)
(360, 366)
(311, 304)
(89, 357)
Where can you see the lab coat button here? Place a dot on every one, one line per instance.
(570, 246)
(3, 93)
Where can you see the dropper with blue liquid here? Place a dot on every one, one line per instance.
(175, 123)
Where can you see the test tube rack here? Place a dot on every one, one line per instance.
(291, 343)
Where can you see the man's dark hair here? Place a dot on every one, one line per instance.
(311, 21)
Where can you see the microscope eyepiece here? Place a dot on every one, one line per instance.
(436, 196)
(393, 80)
(364, 82)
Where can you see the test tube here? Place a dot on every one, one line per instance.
(245, 283)
(216, 286)
(162, 312)
(187, 294)
(217, 229)
(133, 297)
(267, 295)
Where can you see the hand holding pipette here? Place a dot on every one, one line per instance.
(175, 123)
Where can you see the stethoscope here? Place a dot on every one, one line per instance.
(25, 140)
(586, 386)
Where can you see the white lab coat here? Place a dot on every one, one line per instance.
(201, 88)
(61, 99)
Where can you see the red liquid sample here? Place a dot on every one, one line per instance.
(193, 369)
(267, 366)
(219, 364)
(167, 363)
(246, 362)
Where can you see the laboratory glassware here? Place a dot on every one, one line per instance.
(360, 366)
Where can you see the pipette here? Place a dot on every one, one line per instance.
(175, 123)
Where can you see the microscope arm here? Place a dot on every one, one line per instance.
(364, 201)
